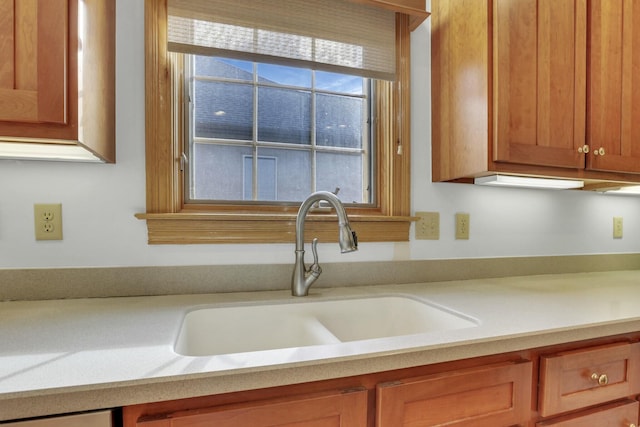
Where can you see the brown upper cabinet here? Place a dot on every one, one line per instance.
(536, 87)
(57, 74)
(33, 61)
(614, 86)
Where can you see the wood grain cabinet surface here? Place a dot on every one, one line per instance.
(594, 383)
(581, 378)
(614, 86)
(57, 74)
(536, 87)
(492, 395)
(330, 409)
(619, 414)
(487, 396)
(88, 419)
(33, 61)
(539, 81)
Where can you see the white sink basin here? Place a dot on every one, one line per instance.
(225, 330)
(389, 316)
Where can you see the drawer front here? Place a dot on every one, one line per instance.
(580, 378)
(326, 409)
(623, 414)
(93, 419)
(489, 396)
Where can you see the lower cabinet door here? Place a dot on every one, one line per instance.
(331, 409)
(622, 414)
(496, 395)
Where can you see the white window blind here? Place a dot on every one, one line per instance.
(328, 35)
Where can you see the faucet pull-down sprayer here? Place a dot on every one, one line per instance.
(304, 277)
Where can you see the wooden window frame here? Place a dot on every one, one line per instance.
(170, 221)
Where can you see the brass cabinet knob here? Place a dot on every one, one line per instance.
(632, 425)
(599, 152)
(601, 379)
(584, 149)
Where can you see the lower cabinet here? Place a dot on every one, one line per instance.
(589, 384)
(487, 396)
(621, 414)
(491, 395)
(595, 381)
(342, 408)
(90, 419)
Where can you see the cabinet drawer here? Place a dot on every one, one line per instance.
(622, 414)
(580, 378)
(328, 409)
(489, 396)
(92, 419)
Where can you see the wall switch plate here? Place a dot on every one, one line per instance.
(617, 227)
(462, 226)
(428, 226)
(48, 221)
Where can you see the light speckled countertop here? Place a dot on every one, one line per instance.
(71, 355)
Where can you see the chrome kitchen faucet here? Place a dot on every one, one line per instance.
(304, 277)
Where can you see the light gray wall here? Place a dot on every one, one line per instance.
(99, 201)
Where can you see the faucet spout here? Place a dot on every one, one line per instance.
(304, 277)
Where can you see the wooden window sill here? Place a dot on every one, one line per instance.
(196, 227)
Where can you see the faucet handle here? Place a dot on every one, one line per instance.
(315, 267)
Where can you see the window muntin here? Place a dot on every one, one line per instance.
(316, 125)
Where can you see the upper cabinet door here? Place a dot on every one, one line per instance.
(33, 61)
(614, 86)
(539, 54)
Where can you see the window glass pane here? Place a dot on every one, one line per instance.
(267, 184)
(211, 66)
(286, 76)
(339, 121)
(293, 177)
(342, 83)
(223, 110)
(284, 115)
(342, 172)
(218, 171)
(309, 128)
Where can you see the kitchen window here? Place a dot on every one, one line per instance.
(173, 217)
(260, 132)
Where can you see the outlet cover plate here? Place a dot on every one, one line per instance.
(617, 227)
(48, 221)
(428, 226)
(462, 226)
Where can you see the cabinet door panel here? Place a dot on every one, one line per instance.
(90, 419)
(33, 79)
(540, 82)
(334, 409)
(617, 415)
(566, 381)
(614, 107)
(488, 396)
